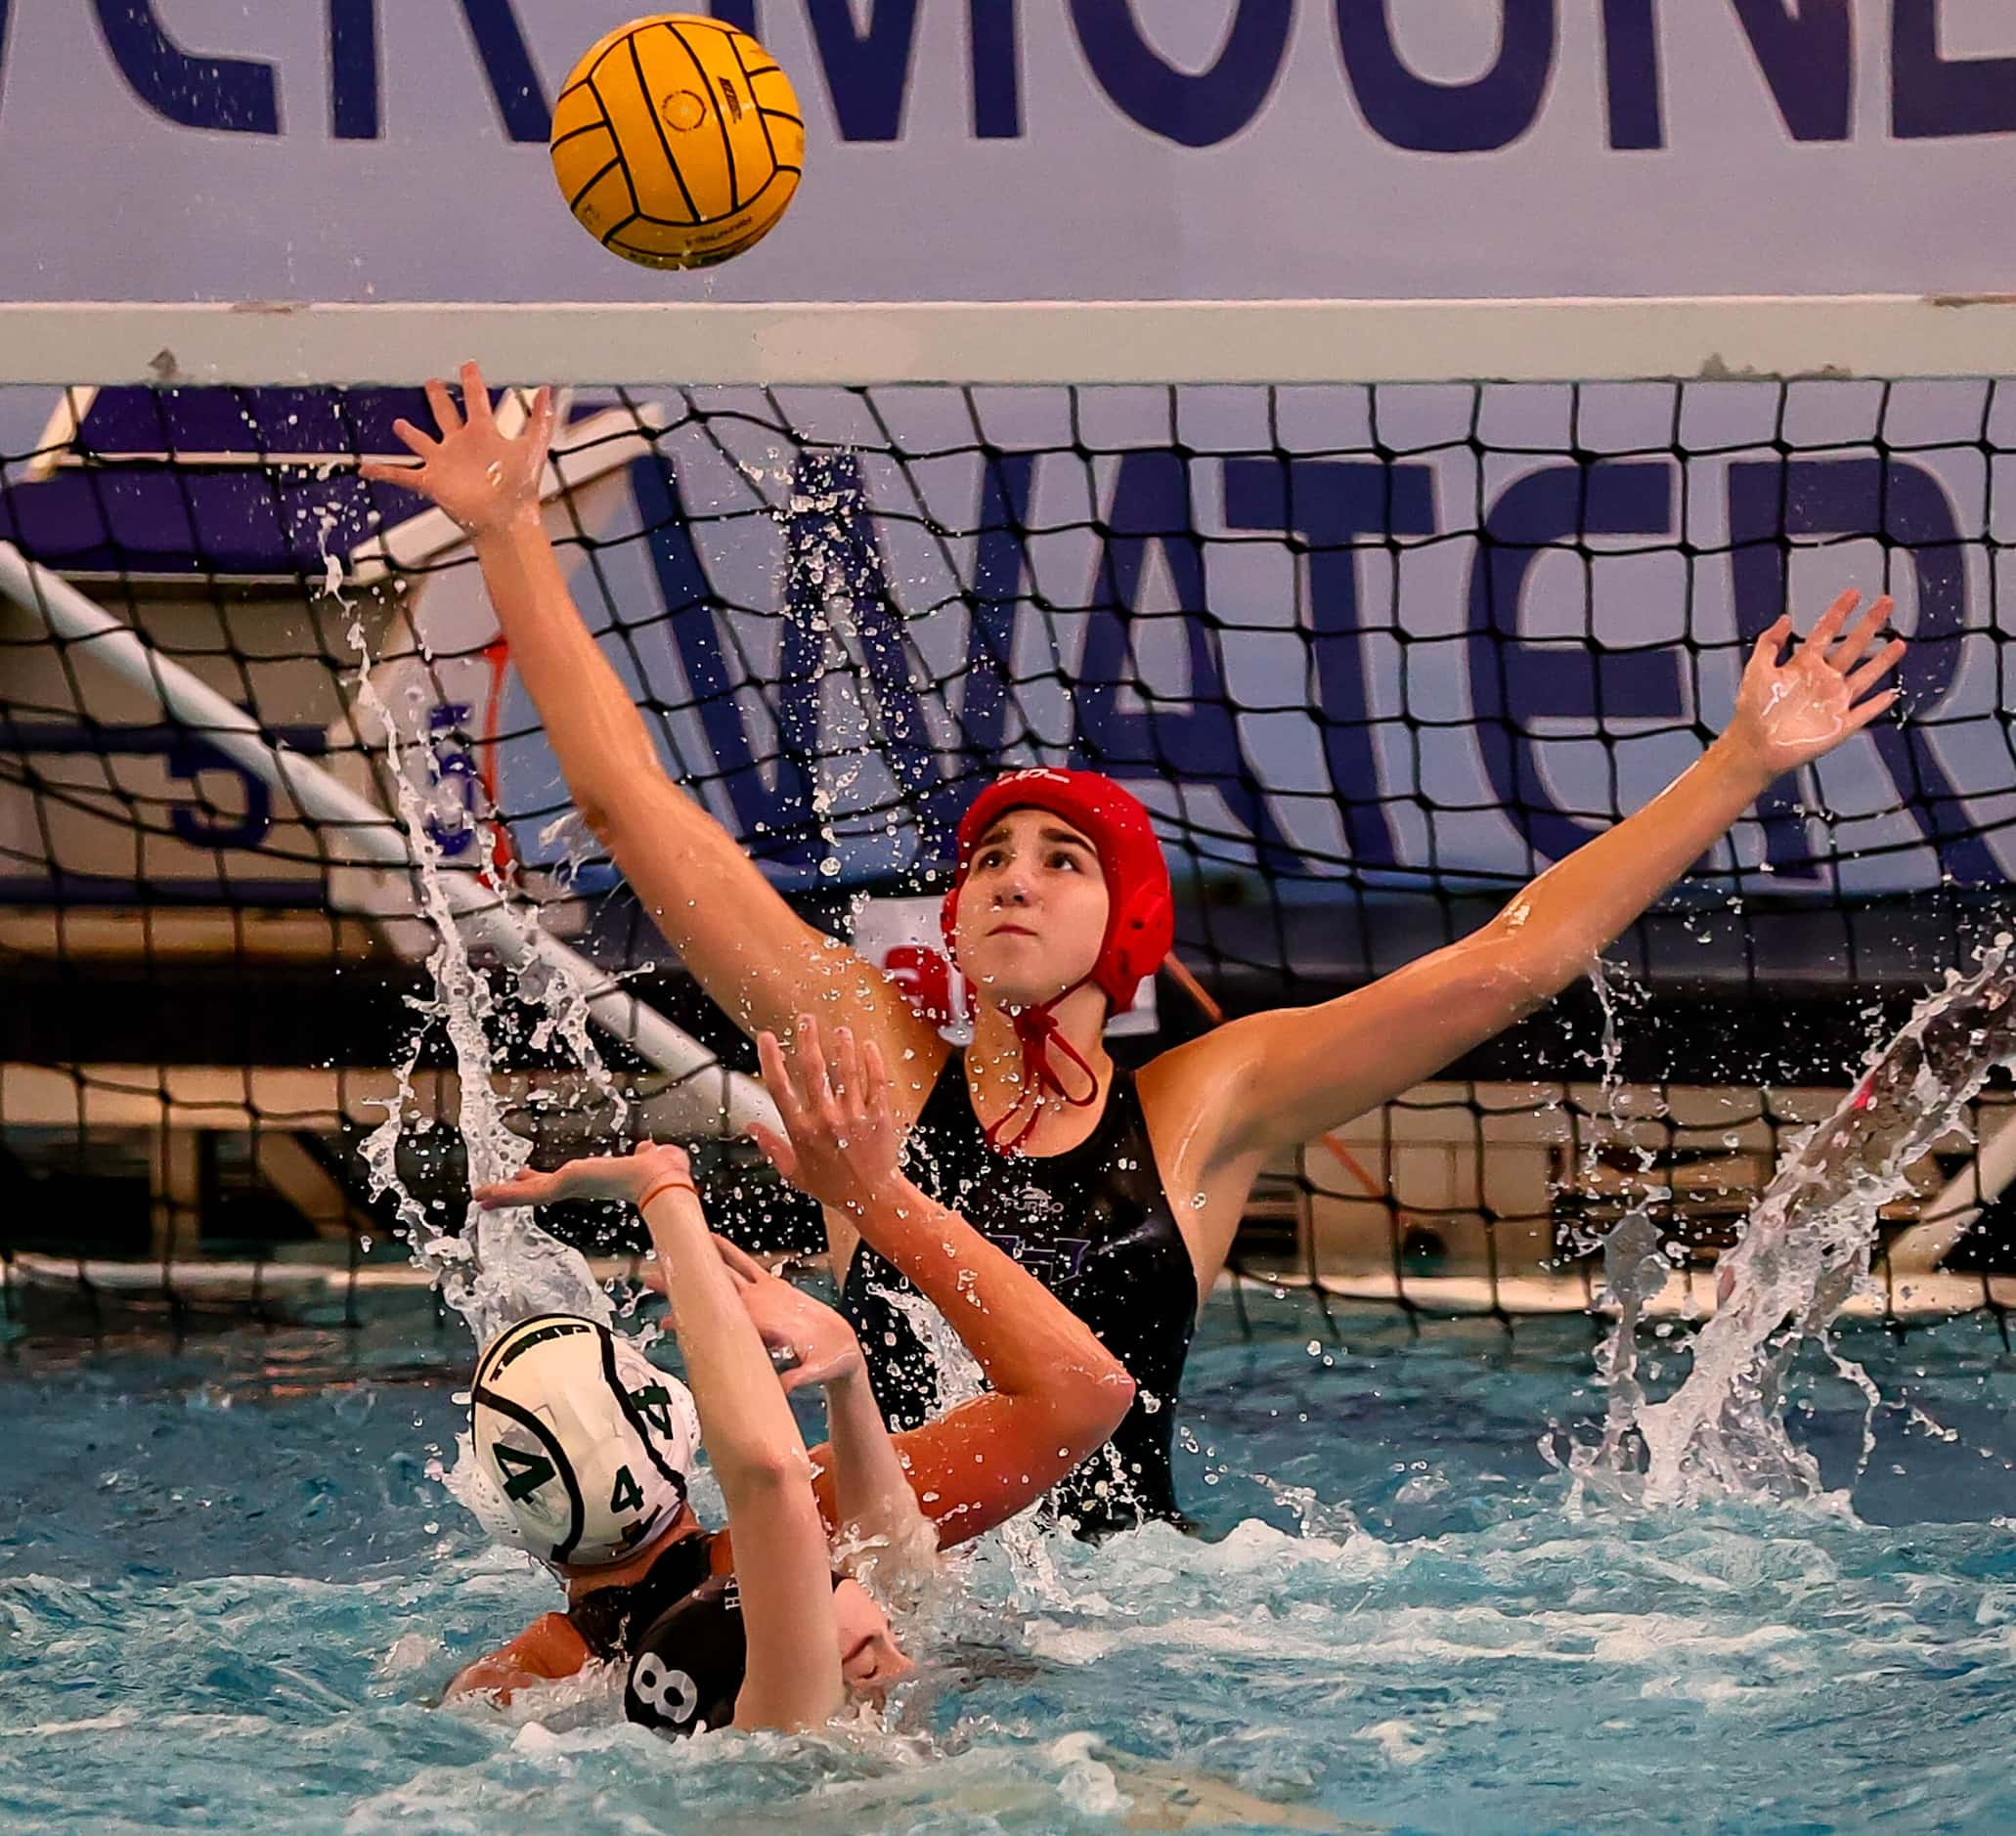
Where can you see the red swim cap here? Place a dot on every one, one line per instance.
(1141, 914)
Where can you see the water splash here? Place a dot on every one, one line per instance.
(1021, 1541)
(1636, 1269)
(1636, 1265)
(955, 1367)
(500, 1267)
(1316, 1517)
(1802, 1254)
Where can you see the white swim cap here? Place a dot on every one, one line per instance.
(590, 1442)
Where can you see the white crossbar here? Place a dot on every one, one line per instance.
(1281, 342)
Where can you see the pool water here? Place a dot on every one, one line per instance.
(229, 1591)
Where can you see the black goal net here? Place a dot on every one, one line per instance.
(1374, 657)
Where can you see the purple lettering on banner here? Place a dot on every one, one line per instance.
(801, 666)
(356, 69)
(1515, 681)
(1152, 507)
(831, 555)
(1632, 95)
(1932, 97)
(1488, 112)
(1760, 518)
(1902, 504)
(1333, 506)
(355, 73)
(867, 73)
(1193, 110)
(226, 95)
(1000, 566)
(1807, 59)
(520, 101)
(773, 819)
(995, 48)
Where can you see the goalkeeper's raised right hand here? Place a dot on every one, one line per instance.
(485, 479)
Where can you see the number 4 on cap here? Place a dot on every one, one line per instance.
(654, 1404)
(524, 1473)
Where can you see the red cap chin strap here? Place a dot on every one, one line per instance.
(1038, 1029)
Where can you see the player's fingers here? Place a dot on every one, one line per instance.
(1857, 638)
(446, 415)
(811, 1067)
(1829, 625)
(541, 428)
(525, 1188)
(475, 396)
(1876, 669)
(775, 1149)
(779, 1078)
(377, 473)
(1861, 717)
(875, 1085)
(846, 1069)
(1772, 639)
(425, 445)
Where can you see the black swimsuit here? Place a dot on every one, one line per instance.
(611, 1619)
(1094, 1226)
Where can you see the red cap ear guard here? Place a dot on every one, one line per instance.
(1141, 916)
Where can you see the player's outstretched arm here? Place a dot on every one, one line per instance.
(1286, 1076)
(746, 1425)
(1057, 1392)
(752, 953)
(862, 1490)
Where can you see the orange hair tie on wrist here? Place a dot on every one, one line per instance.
(668, 1185)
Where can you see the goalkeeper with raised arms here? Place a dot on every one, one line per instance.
(1121, 1191)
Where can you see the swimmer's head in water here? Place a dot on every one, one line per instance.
(1139, 919)
(689, 1668)
(589, 1443)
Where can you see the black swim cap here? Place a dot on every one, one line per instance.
(690, 1663)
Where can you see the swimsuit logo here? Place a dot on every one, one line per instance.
(1052, 1263)
(1038, 1206)
(672, 1694)
(1050, 1259)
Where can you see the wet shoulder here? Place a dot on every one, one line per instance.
(1187, 1092)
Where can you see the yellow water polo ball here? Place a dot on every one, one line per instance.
(677, 141)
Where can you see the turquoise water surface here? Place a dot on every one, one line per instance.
(230, 1590)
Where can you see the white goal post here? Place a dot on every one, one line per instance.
(1271, 341)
